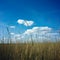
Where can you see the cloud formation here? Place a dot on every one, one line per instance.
(12, 33)
(41, 30)
(42, 34)
(25, 22)
(12, 26)
(38, 33)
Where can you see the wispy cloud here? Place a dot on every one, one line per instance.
(12, 26)
(25, 22)
(12, 33)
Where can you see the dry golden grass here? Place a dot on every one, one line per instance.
(37, 51)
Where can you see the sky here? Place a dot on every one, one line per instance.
(37, 13)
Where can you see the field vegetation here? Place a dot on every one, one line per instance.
(29, 51)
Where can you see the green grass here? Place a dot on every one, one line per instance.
(27, 51)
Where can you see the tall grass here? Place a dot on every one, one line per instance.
(27, 51)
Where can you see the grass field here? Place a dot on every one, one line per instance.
(27, 51)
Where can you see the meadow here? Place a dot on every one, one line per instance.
(29, 51)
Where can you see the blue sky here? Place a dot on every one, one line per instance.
(41, 12)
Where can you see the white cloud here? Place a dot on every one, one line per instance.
(12, 33)
(20, 21)
(29, 31)
(40, 30)
(12, 26)
(42, 33)
(28, 23)
(45, 28)
(25, 22)
(19, 36)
